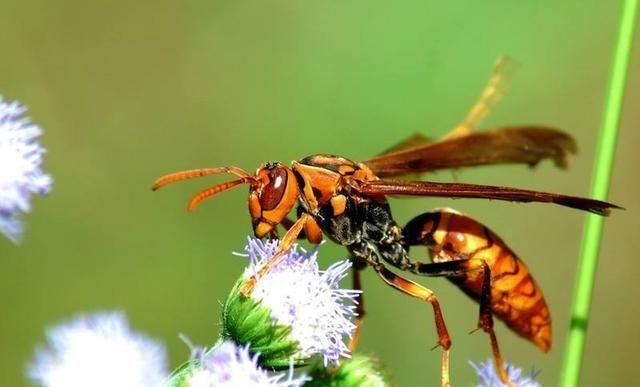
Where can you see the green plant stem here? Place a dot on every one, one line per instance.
(599, 190)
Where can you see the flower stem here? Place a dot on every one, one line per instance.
(599, 190)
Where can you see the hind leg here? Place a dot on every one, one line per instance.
(459, 269)
(415, 290)
(485, 322)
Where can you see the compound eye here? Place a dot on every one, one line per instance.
(273, 191)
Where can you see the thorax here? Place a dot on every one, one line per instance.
(328, 191)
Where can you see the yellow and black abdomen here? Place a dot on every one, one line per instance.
(515, 297)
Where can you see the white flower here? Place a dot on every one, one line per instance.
(489, 378)
(99, 351)
(228, 365)
(308, 300)
(20, 173)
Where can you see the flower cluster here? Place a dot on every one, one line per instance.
(20, 162)
(297, 295)
(230, 365)
(489, 378)
(297, 315)
(99, 351)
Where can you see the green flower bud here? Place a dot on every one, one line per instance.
(247, 321)
(358, 371)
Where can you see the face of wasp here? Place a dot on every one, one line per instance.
(272, 198)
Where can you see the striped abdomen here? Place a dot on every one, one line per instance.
(515, 297)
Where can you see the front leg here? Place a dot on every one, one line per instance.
(285, 245)
(311, 230)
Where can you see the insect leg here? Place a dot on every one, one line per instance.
(311, 230)
(485, 322)
(287, 223)
(459, 270)
(485, 319)
(285, 244)
(415, 290)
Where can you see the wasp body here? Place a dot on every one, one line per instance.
(347, 202)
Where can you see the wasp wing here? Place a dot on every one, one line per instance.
(526, 144)
(491, 95)
(461, 190)
(413, 141)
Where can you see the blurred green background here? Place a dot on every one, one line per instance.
(128, 91)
